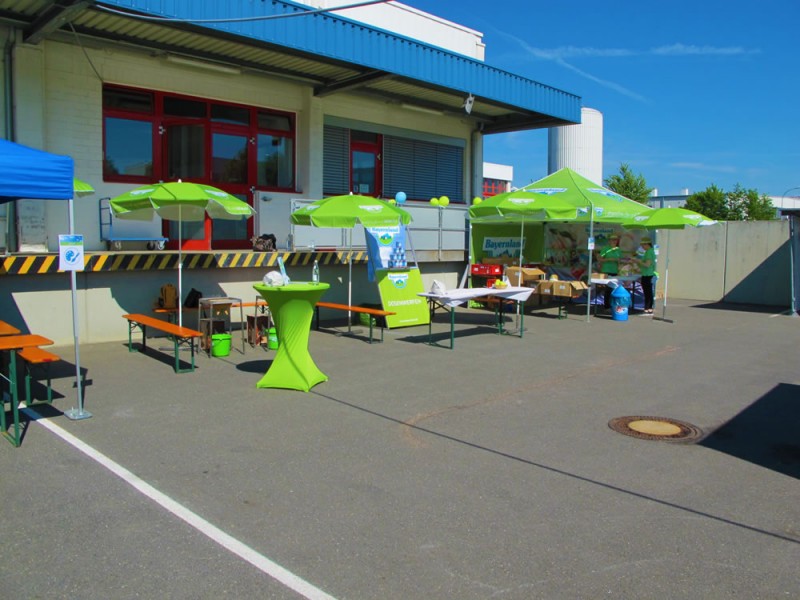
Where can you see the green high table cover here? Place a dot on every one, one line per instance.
(292, 308)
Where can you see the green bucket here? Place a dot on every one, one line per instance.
(220, 344)
(272, 338)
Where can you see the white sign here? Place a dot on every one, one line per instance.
(590, 244)
(70, 252)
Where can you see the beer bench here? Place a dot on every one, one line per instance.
(181, 336)
(32, 357)
(372, 312)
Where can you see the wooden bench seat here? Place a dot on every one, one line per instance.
(373, 312)
(32, 357)
(181, 336)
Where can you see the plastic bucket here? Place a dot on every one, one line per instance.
(220, 344)
(619, 313)
(272, 338)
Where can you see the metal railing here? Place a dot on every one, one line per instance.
(433, 228)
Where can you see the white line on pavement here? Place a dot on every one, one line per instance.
(228, 542)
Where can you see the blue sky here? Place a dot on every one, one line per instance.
(692, 93)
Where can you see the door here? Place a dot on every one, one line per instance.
(365, 163)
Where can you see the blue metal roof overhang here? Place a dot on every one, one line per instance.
(330, 53)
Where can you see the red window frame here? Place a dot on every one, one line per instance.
(158, 119)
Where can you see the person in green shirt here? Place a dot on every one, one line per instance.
(647, 267)
(609, 264)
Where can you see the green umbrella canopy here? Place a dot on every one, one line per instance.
(81, 188)
(350, 210)
(524, 204)
(609, 207)
(669, 218)
(179, 201)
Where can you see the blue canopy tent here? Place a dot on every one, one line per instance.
(29, 173)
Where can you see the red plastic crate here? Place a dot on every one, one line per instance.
(482, 269)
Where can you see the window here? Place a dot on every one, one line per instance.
(492, 187)
(129, 137)
(153, 136)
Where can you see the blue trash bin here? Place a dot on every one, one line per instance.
(620, 302)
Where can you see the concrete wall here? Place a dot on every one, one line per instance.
(743, 262)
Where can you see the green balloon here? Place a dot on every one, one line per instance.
(434, 202)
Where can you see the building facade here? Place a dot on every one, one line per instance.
(281, 105)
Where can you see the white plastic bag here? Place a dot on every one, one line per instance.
(274, 279)
(438, 288)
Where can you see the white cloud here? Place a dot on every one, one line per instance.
(683, 50)
(556, 55)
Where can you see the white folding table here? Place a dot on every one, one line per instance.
(453, 298)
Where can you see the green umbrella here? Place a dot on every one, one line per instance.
(179, 201)
(350, 210)
(522, 205)
(668, 218)
(81, 188)
(346, 212)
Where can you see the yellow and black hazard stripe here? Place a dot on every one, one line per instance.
(43, 264)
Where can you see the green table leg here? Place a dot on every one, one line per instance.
(12, 382)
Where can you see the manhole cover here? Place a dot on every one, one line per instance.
(656, 428)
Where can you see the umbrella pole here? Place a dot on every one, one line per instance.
(520, 278)
(666, 285)
(350, 281)
(590, 249)
(79, 413)
(180, 268)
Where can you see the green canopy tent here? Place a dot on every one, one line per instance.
(345, 212)
(592, 202)
(179, 201)
(668, 218)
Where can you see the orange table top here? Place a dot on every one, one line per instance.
(6, 329)
(17, 342)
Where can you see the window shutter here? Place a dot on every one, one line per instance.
(422, 169)
(335, 161)
(398, 166)
(450, 172)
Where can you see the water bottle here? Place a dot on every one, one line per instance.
(315, 273)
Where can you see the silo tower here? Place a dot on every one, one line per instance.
(579, 147)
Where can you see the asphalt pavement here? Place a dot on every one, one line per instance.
(420, 472)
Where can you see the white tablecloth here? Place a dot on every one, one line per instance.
(461, 295)
(617, 279)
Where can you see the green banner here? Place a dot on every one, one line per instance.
(399, 291)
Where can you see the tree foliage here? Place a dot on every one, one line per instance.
(627, 184)
(711, 202)
(740, 204)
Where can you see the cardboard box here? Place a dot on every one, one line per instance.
(560, 289)
(520, 276)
